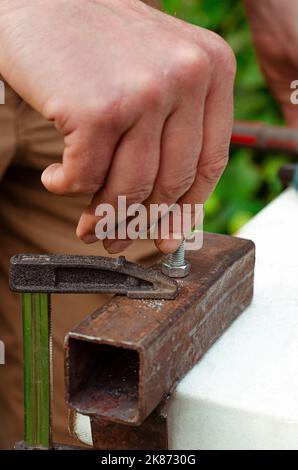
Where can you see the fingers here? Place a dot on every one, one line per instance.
(132, 174)
(158, 179)
(86, 159)
(170, 156)
(217, 129)
(217, 135)
(180, 151)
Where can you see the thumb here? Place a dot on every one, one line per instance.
(53, 179)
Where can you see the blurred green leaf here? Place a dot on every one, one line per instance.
(241, 178)
(238, 220)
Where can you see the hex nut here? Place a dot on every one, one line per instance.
(175, 271)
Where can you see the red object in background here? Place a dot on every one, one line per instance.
(243, 139)
(265, 137)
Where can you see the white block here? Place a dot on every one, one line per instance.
(243, 394)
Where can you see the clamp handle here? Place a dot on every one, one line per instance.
(88, 274)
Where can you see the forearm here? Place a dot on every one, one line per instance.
(274, 29)
(279, 12)
(273, 25)
(12, 12)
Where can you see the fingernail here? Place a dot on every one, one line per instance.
(117, 246)
(168, 246)
(90, 239)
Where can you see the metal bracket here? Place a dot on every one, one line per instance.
(36, 277)
(88, 274)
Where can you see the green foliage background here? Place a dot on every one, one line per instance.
(250, 180)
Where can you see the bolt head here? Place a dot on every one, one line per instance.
(177, 271)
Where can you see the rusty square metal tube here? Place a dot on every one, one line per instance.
(130, 354)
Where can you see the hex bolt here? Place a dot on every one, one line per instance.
(176, 265)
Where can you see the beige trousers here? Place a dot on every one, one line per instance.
(33, 220)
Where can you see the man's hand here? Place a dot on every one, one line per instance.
(144, 101)
(275, 33)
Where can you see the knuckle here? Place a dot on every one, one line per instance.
(192, 62)
(225, 59)
(212, 171)
(108, 116)
(140, 192)
(228, 62)
(81, 187)
(176, 187)
(151, 94)
(76, 185)
(53, 109)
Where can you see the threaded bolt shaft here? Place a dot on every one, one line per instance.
(177, 258)
(176, 265)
